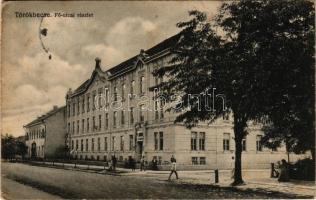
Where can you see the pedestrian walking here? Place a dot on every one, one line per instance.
(173, 167)
(133, 164)
(110, 163)
(142, 163)
(155, 163)
(114, 161)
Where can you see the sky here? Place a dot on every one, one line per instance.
(31, 84)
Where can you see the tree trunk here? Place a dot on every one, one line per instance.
(238, 172)
(239, 131)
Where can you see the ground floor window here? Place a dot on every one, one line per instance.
(195, 161)
(202, 161)
(198, 161)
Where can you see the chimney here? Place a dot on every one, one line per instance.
(97, 62)
(55, 107)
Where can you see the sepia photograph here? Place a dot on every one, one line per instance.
(158, 99)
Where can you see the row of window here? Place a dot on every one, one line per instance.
(87, 127)
(39, 133)
(87, 145)
(198, 142)
(198, 160)
(226, 143)
(78, 106)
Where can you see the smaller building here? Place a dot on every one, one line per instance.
(45, 136)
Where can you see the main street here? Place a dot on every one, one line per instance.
(79, 184)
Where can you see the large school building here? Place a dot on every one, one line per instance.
(114, 113)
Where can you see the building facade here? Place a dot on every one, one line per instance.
(114, 113)
(46, 135)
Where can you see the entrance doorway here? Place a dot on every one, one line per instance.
(139, 149)
(139, 145)
(33, 150)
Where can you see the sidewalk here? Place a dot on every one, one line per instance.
(256, 180)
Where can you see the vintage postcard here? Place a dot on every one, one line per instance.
(158, 99)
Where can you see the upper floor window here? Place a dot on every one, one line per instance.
(156, 110)
(131, 142)
(78, 106)
(81, 145)
(114, 118)
(106, 120)
(100, 122)
(259, 143)
(92, 144)
(94, 127)
(244, 144)
(100, 98)
(88, 102)
(88, 124)
(122, 117)
(115, 93)
(78, 126)
(123, 90)
(113, 143)
(77, 145)
(132, 87)
(197, 141)
(82, 126)
(94, 100)
(99, 144)
(106, 97)
(122, 143)
(142, 84)
(73, 127)
(202, 141)
(226, 141)
(193, 141)
(82, 104)
(132, 115)
(87, 144)
(73, 109)
(156, 140)
(105, 144)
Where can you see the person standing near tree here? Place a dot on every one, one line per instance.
(173, 167)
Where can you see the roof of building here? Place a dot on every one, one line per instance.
(45, 116)
(167, 43)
